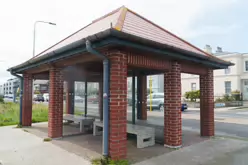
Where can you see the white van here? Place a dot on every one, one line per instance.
(46, 96)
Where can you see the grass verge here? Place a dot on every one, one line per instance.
(9, 113)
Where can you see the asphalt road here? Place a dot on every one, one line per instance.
(228, 129)
(240, 130)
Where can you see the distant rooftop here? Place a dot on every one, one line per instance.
(219, 51)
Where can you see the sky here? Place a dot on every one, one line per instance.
(214, 22)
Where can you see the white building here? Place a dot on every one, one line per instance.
(157, 83)
(8, 87)
(225, 80)
(1, 90)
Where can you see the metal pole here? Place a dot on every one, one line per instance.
(105, 107)
(34, 37)
(133, 98)
(85, 98)
(139, 111)
(150, 88)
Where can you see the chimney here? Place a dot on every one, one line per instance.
(208, 49)
(219, 50)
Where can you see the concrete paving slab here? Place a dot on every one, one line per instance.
(22, 148)
(210, 152)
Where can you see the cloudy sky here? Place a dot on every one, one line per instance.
(214, 22)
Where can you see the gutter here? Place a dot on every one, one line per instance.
(110, 37)
(21, 92)
(106, 73)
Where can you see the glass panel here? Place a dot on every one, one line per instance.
(228, 87)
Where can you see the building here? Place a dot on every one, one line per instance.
(1, 90)
(225, 80)
(41, 86)
(156, 86)
(9, 86)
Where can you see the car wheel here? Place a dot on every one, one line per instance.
(161, 108)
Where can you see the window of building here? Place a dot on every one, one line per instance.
(246, 66)
(228, 88)
(193, 86)
(228, 70)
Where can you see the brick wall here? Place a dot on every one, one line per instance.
(27, 100)
(118, 106)
(207, 104)
(55, 117)
(172, 107)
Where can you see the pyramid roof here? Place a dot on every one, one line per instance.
(125, 20)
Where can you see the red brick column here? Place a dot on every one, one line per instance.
(207, 104)
(70, 97)
(100, 100)
(55, 117)
(172, 107)
(118, 106)
(27, 100)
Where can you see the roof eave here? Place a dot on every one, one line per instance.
(135, 40)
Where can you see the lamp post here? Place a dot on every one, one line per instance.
(34, 37)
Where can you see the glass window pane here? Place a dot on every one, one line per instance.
(246, 65)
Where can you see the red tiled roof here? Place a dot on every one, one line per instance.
(125, 20)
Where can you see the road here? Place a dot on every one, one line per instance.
(221, 128)
(224, 128)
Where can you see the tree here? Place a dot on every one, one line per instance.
(36, 92)
(192, 95)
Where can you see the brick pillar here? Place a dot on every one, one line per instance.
(172, 107)
(207, 104)
(70, 97)
(118, 106)
(55, 117)
(27, 100)
(100, 100)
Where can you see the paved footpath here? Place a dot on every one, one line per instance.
(22, 148)
(219, 151)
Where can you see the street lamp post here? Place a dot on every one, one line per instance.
(34, 37)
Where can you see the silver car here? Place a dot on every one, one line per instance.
(156, 101)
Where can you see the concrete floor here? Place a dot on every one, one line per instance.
(90, 147)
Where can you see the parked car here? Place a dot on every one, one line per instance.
(157, 102)
(92, 99)
(46, 96)
(39, 98)
(79, 99)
